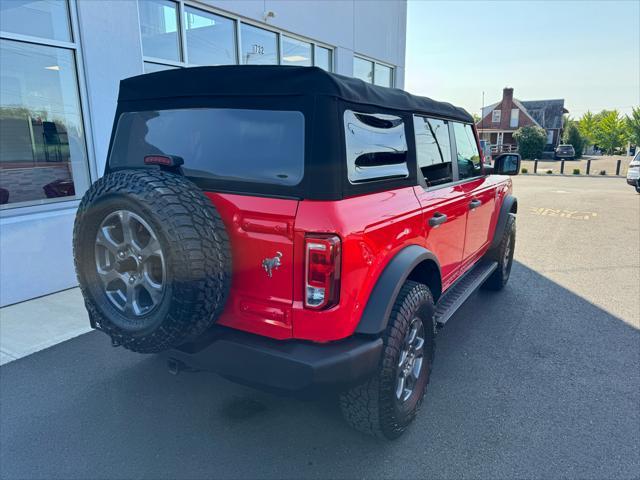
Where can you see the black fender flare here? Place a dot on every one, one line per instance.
(378, 309)
(509, 204)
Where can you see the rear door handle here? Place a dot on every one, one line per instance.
(437, 219)
(475, 203)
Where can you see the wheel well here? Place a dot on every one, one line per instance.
(427, 272)
(514, 207)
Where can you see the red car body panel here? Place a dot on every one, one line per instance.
(373, 228)
(259, 228)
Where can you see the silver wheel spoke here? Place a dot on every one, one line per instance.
(108, 276)
(403, 357)
(104, 239)
(125, 221)
(400, 386)
(151, 248)
(130, 296)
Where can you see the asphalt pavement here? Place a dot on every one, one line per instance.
(541, 380)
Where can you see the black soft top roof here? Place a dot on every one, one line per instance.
(268, 80)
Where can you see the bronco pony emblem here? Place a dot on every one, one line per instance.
(270, 264)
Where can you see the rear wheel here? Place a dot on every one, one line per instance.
(387, 403)
(504, 256)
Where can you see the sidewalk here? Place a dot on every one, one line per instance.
(34, 325)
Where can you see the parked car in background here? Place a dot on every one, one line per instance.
(564, 152)
(633, 174)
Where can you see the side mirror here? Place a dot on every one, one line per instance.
(507, 164)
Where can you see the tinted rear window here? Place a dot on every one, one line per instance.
(263, 146)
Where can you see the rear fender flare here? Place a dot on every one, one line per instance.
(376, 314)
(509, 205)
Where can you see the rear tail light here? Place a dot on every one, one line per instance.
(322, 271)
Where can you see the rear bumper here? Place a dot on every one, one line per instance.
(281, 365)
(632, 181)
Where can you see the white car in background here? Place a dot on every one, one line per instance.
(633, 174)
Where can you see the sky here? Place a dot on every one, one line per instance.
(587, 52)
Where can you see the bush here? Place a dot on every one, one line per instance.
(573, 137)
(603, 172)
(524, 170)
(576, 171)
(531, 141)
(549, 172)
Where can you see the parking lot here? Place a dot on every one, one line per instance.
(539, 380)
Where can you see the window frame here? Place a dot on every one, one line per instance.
(375, 63)
(238, 21)
(452, 151)
(493, 116)
(75, 47)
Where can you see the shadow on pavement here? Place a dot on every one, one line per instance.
(533, 381)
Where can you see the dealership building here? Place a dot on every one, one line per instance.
(60, 65)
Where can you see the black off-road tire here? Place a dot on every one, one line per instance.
(194, 243)
(372, 407)
(638, 186)
(503, 254)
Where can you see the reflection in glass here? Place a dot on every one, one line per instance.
(210, 38)
(323, 58)
(363, 69)
(264, 146)
(150, 67)
(376, 146)
(40, 18)
(383, 76)
(295, 52)
(259, 47)
(42, 147)
(159, 29)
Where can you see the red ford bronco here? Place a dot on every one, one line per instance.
(292, 229)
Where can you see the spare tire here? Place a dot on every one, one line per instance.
(152, 257)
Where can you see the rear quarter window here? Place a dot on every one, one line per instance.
(262, 146)
(376, 147)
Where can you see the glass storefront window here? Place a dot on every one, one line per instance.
(322, 58)
(383, 76)
(211, 39)
(259, 47)
(42, 143)
(159, 29)
(38, 18)
(363, 69)
(295, 52)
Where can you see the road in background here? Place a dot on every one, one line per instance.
(539, 380)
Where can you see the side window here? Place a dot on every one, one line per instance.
(376, 146)
(469, 164)
(433, 150)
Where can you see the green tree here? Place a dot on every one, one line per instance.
(531, 141)
(573, 137)
(476, 117)
(611, 132)
(588, 126)
(633, 126)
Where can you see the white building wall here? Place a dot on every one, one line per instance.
(35, 242)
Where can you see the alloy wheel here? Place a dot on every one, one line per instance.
(130, 263)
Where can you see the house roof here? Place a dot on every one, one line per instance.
(547, 113)
(278, 81)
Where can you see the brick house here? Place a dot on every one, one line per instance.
(501, 119)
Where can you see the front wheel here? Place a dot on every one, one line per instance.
(387, 403)
(638, 186)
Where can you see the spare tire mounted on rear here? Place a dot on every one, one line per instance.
(152, 257)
